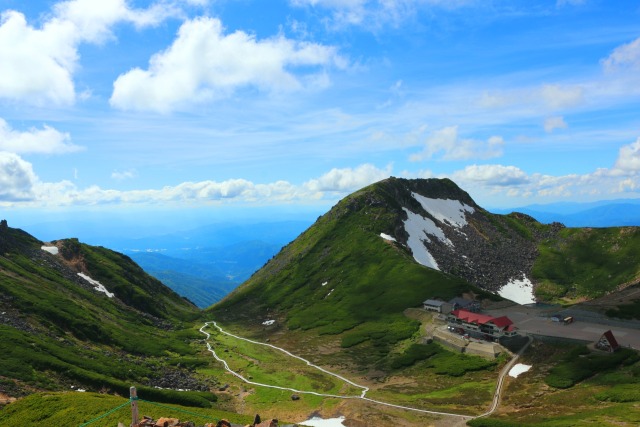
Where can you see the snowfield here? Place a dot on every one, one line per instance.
(319, 422)
(387, 237)
(518, 369)
(51, 249)
(518, 290)
(98, 286)
(416, 226)
(451, 213)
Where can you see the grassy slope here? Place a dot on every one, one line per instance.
(74, 409)
(357, 316)
(587, 262)
(340, 277)
(68, 334)
(594, 389)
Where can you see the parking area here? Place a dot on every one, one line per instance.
(537, 321)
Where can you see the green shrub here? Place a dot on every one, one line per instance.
(415, 353)
(621, 393)
(492, 422)
(577, 366)
(456, 365)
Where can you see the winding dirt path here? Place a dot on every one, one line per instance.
(364, 389)
(497, 396)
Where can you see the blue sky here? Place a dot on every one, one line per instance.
(134, 105)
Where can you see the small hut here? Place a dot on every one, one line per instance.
(607, 342)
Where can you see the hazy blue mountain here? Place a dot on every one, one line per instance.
(205, 275)
(613, 213)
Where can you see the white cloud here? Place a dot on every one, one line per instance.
(37, 64)
(629, 158)
(203, 63)
(447, 142)
(347, 179)
(376, 13)
(41, 141)
(547, 97)
(123, 175)
(65, 193)
(552, 123)
(506, 185)
(556, 96)
(627, 55)
(16, 178)
(20, 186)
(492, 175)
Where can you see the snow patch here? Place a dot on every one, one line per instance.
(518, 290)
(452, 212)
(319, 422)
(268, 322)
(417, 227)
(518, 369)
(98, 286)
(387, 237)
(51, 249)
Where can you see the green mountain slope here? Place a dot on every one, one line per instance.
(341, 273)
(57, 330)
(587, 262)
(341, 276)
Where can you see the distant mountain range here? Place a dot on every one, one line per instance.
(611, 213)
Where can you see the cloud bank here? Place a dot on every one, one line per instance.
(19, 185)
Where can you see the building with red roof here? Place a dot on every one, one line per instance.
(471, 322)
(608, 342)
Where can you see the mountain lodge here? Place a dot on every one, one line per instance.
(470, 322)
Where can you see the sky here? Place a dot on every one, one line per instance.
(133, 106)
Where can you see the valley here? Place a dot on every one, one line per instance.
(334, 325)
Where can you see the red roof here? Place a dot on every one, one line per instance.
(611, 339)
(481, 319)
(501, 322)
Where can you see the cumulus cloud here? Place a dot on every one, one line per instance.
(553, 123)
(37, 64)
(41, 141)
(16, 178)
(625, 56)
(205, 63)
(66, 193)
(347, 179)
(451, 146)
(493, 175)
(629, 158)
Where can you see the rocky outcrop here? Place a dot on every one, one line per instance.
(489, 251)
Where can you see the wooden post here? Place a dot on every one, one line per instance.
(133, 396)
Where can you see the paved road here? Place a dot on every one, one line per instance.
(536, 321)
